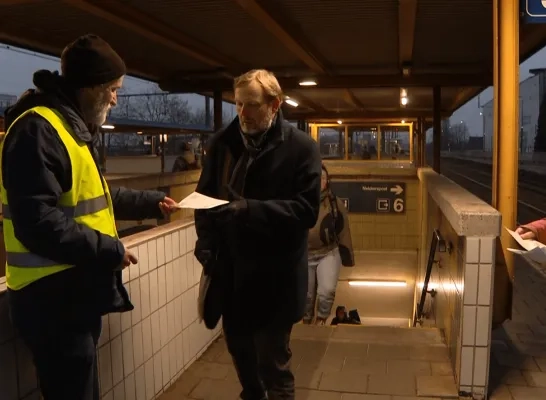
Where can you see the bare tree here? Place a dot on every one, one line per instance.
(154, 106)
(457, 135)
(199, 118)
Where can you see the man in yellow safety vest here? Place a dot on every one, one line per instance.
(64, 257)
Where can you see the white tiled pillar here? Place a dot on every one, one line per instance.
(472, 367)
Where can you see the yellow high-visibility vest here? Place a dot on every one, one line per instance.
(88, 202)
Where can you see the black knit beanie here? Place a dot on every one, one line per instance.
(90, 61)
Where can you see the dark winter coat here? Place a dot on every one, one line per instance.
(262, 262)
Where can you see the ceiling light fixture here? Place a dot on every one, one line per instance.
(308, 82)
(291, 102)
(107, 126)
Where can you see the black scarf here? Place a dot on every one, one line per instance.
(254, 142)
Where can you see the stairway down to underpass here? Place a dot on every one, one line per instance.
(338, 363)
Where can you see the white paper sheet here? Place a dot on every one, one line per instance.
(527, 244)
(534, 252)
(199, 201)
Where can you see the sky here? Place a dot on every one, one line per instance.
(17, 67)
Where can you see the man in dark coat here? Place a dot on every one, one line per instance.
(254, 249)
(59, 315)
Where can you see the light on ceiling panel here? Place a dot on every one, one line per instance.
(378, 283)
(291, 102)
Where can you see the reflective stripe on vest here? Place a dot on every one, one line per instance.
(88, 203)
(83, 207)
(28, 260)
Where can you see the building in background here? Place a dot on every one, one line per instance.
(7, 100)
(531, 92)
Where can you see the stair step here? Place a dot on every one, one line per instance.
(371, 334)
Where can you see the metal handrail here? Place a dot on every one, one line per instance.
(437, 243)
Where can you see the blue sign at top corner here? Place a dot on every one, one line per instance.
(534, 11)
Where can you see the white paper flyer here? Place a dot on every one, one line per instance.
(533, 251)
(199, 201)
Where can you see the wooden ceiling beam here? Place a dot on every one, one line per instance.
(135, 21)
(409, 114)
(18, 2)
(407, 14)
(178, 83)
(351, 99)
(285, 32)
(305, 101)
(532, 39)
(463, 96)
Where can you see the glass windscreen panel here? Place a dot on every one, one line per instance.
(363, 143)
(332, 142)
(395, 143)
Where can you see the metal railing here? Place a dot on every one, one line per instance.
(437, 244)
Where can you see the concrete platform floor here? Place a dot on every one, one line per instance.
(339, 363)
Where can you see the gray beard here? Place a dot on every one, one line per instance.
(96, 115)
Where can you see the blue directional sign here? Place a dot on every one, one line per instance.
(534, 11)
(371, 197)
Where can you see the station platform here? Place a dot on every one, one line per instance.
(160, 350)
(526, 164)
(518, 348)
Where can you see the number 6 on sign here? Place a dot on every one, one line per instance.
(398, 205)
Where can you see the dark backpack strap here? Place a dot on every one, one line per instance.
(334, 211)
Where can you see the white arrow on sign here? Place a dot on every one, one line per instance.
(397, 190)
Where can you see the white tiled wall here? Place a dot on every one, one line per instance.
(143, 352)
(463, 277)
(463, 280)
(478, 256)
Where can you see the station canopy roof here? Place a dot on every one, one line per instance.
(361, 53)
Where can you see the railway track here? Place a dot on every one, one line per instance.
(477, 180)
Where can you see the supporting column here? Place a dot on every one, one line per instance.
(416, 142)
(314, 132)
(437, 128)
(346, 143)
(163, 138)
(207, 112)
(423, 142)
(208, 125)
(416, 135)
(218, 113)
(505, 145)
